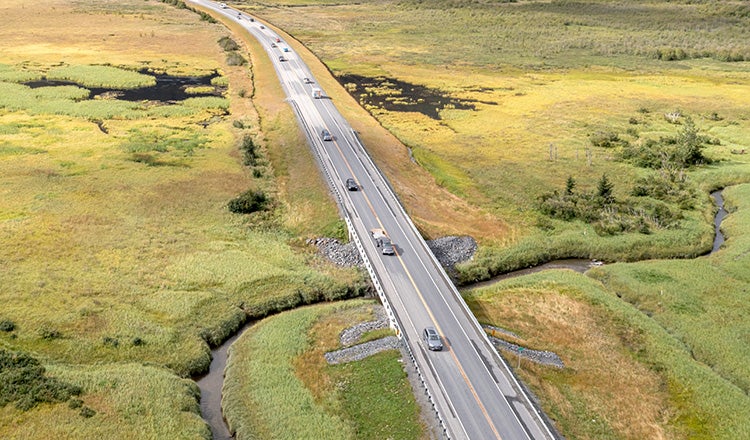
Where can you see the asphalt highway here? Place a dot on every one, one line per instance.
(472, 389)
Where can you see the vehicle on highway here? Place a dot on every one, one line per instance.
(326, 135)
(281, 58)
(387, 247)
(273, 44)
(278, 40)
(317, 93)
(432, 339)
(383, 241)
(262, 27)
(223, 5)
(286, 49)
(351, 185)
(307, 80)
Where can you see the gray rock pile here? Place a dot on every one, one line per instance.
(341, 254)
(452, 250)
(361, 351)
(352, 335)
(449, 250)
(542, 357)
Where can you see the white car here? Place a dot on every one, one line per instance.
(223, 5)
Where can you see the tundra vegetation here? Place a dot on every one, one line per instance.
(122, 262)
(591, 129)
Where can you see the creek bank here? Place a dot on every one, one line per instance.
(448, 251)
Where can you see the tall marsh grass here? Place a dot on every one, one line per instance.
(101, 76)
(126, 399)
(279, 386)
(700, 400)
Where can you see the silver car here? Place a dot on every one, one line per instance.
(386, 246)
(432, 339)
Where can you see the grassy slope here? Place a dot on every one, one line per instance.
(134, 263)
(279, 386)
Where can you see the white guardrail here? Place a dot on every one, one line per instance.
(393, 320)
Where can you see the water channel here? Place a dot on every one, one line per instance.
(211, 384)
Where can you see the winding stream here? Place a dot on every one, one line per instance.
(211, 384)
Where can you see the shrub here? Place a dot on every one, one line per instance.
(75, 403)
(25, 384)
(605, 139)
(228, 44)
(113, 342)
(87, 412)
(235, 59)
(250, 154)
(7, 325)
(49, 333)
(248, 202)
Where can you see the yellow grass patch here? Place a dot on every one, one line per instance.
(601, 379)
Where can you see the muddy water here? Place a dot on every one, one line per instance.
(576, 264)
(210, 386)
(720, 214)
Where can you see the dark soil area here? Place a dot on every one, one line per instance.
(400, 96)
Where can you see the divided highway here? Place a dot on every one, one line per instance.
(474, 393)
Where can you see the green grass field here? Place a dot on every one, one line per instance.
(278, 384)
(121, 262)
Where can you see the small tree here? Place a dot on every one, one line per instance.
(570, 185)
(604, 190)
(249, 202)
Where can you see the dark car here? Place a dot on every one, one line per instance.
(326, 135)
(351, 185)
(386, 246)
(432, 339)
(307, 80)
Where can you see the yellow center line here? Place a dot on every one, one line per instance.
(424, 303)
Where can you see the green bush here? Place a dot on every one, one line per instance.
(248, 202)
(606, 139)
(228, 44)
(235, 59)
(87, 412)
(49, 333)
(7, 325)
(25, 384)
(250, 154)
